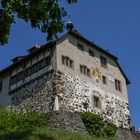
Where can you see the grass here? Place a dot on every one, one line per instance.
(66, 135)
(48, 134)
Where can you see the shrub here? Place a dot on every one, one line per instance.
(12, 122)
(110, 129)
(96, 126)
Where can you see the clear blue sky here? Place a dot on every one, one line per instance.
(112, 24)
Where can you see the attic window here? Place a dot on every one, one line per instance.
(80, 46)
(0, 86)
(91, 53)
(103, 61)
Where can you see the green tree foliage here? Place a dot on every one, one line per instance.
(96, 126)
(46, 15)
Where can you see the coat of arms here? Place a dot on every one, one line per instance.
(97, 74)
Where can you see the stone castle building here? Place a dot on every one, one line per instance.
(71, 74)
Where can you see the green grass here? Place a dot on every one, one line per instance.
(33, 126)
(48, 134)
(65, 135)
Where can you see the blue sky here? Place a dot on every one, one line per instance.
(111, 24)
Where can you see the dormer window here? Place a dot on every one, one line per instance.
(103, 61)
(0, 86)
(80, 46)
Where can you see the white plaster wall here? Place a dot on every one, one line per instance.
(69, 48)
(5, 99)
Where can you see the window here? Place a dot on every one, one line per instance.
(71, 64)
(0, 86)
(91, 53)
(103, 61)
(80, 46)
(96, 102)
(32, 69)
(48, 60)
(88, 72)
(13, 79)
(118, 85)
(26, 72)
(67, 62)
(63, 60)
(104, 79)
(41, 64)
(84, 70)
(20, 76)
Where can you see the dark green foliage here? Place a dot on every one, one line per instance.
(96, 126)
(11, 122)
(46, 15)
(93, 122)
(110, 129)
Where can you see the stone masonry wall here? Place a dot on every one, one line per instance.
(71, 92)
(75, 92)
(66, 120)
(36, 96)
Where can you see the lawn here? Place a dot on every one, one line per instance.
(48, 134)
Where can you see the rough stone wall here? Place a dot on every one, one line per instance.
(123, 134)
(74, 92)
(36, 96)
(66, 120)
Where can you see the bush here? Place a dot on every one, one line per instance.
(11, 122)
(96, 126)
(110, 129)
(93, 123)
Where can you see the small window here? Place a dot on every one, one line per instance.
(91, 53)
(26, 72)
(63, 60)
(103, 61)
(0, 86)
(118, 85)
(96, 102)
(71, 64)
(20, 76)
(48, 60)
(81, 69)
(13, 80)
(80, 46)
(33, 68)
(88, 72)
(84, 70)
(104, 79)
(41, 64)
(67, 62)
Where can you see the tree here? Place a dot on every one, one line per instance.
(46, 15)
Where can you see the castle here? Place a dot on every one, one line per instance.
(70, 73)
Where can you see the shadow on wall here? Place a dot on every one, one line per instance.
(38, 95)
